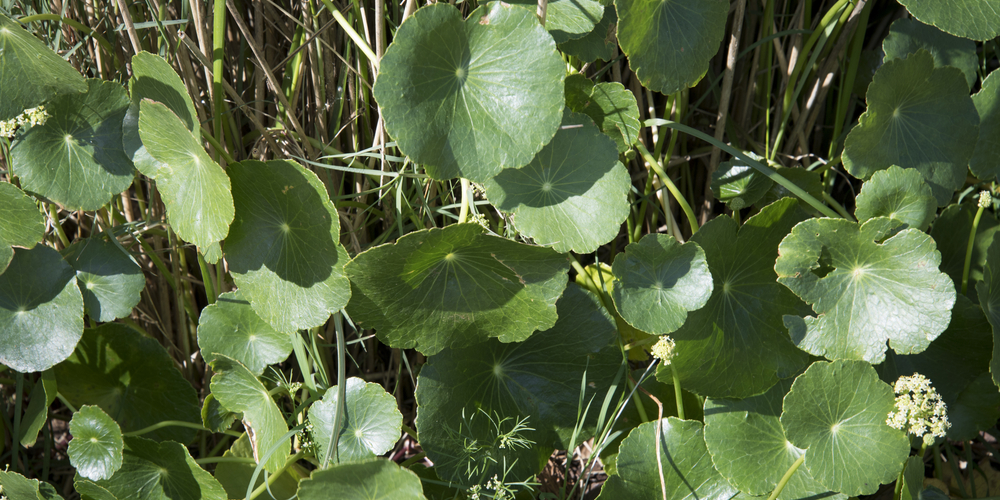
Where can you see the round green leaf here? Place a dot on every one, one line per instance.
(236, 476)
(906, 36)
(749, 447)
(283, 248)
(918, 117)
(951, 232)
(109, 279)
(193, 187)
(161, 471)
(612, 107)
(30, 73)
(16, 487)
(41, 310)
(21, 224)
(573, 195)
(975, 19)
(837, 412)
(687, 468)
(469, 98)
(377, 479)
(370, 428)
(852, 275)
(153, 78)
(132, 378)
(736, 346)
(96, 447)
(231, 327)
(600, 43)
(567, 19)
(76, 158)
(738, 185)
(538, 379)
(984, 159)
(899, 194)
(658, 281)
(240, 391)
(455, 287)
(669, 43)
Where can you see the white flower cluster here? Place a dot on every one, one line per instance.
(29, 118)
(919, 409)
(985, 199)
(663, 349)
(501, 491)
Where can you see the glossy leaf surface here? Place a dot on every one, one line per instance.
(568, 19)
(21, 224)
(377, 479)
(975, 19)
(109, 279)
(600, 43)
(471, 97)
(370, 428)
(96, 447)
(899, 194)
(17, 486)
(231, 327)
(612, 107)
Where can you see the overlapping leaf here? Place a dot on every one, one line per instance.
(371, 422)
(749, 447)
(573, 194)
(160, 471)
(989, 297)
(906, 36)
(231, 327)
(899, 194)
(669, 44)
(239, 390)
(853, 276)
(193, 187)
(283, 248)
(17, 486)
(538, 379)
(41, 310)
(612, 107)
(658, 280)
(738, 185)
(96, 447)
(600, 43)
(736, 345)
(837, 412)
(36, 415)
(918, 117)
(377, 479)
(468, 98)
(975, 19)
(76, 158)
(984, 158)
(687, 468)
(153, 78)
(30, 73)
(951, 233)
(132, 378)
(568, 19)
(236, 476)
(455, 287)
(21, 224)
(109, 279)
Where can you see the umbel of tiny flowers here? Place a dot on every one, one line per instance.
(985, 199)
(29, 118)
(919, 409)
(663, 349)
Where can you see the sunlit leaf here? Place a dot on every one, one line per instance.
(377, 479)
(231, 327)
(918, 117)
(906, 36)
(975, 19)
(471, 97)
(17, 487)
(283, 248)
(669, 43)
(108, 277)
(567, 19)
(899, 194)
(455, 287)
(21, 224)
(612, 107)
(132, 378)
(30, 73)
(984, 159)
(96, 447)
(41, 310)
(76, 158)
(868, 284)
(161, 471)
(371, 422)
(658, 280)
(573, 194)
(837, 412)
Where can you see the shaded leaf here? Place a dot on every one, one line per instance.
(918, 117)
(43, 394)
(469, 98)
(283, 247)
(906, 36)
(18, 487)
(216, 417)
(984, 158)
(574, 193)
(235, 476)
(455, 287)
(76, 158)
(160, 471)
(371, 425)
(231, 327)
(600, 43)
(975, 19)
(21, 224)
(951, 233)
(567, 19)
(669, 44)
(837, 412)
(41, 310)
(899, 194)
(738, 185)
(109, 279)
(852, 275)
(377, 479)
(612, 107)
(96, 447)
(989, 297)
(132, 378)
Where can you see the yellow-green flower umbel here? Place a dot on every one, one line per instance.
(663, 349)
(919, 409)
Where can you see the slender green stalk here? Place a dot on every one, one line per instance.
(463, 214)
(54, 215)
(338, 416)
(175, 423)
(788, 475)
(678, 395)
(77, 26)
(346, 26)
(15, 438)
(665, 179)
(984, 201)
(206, 278)
(218, 55)
(274, 477)
(235, 460)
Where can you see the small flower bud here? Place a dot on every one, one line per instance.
(985, 199)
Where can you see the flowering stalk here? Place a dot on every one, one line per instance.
(985, 199)
(664, 351)
(919, 408)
